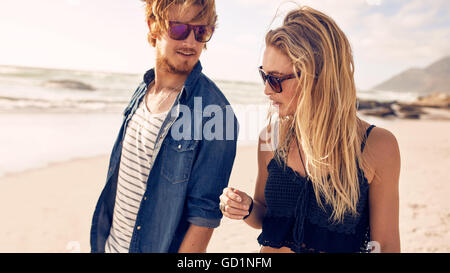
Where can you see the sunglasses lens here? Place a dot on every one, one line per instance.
(263, 76)
(273, 83)
(203, 33)
(178, 31)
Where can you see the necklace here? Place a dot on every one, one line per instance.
(160, 98)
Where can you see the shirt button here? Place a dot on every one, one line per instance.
(139, 228)
(179, 147)
(145, 198)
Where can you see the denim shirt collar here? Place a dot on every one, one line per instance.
(189, 84)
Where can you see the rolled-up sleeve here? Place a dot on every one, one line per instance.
(210, 175)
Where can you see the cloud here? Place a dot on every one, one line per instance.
(73, 2)
(414, 35)
(386, 36)
(412, 32)
(373, 2)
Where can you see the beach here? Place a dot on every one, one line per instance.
(73, 74)
(49, 208)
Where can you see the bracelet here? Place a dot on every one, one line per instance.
(249, 210)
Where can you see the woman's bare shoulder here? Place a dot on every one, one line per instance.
(381, 150)
(381, 142)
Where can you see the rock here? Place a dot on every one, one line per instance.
(371, 104)
(378, 112)
(70, 84)
(367, 104)
(414, 110)
(435, 100)
(375, 108)
(407, 111)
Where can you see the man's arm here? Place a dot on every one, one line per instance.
(209, 176)
(196, 239)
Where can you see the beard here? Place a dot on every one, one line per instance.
(164, 63)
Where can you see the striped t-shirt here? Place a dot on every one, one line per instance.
(135, 165)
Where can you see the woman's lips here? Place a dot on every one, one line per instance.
(275, 103)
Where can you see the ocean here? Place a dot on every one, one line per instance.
(43, 119)
(26, 88)
(50, 90)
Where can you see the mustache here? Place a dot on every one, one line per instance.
(188, 50)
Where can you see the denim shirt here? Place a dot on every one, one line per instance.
(187, 176)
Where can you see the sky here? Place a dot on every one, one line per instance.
(387, 37)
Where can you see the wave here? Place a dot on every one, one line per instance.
(107, 104)
(69, 84)
(387, 95)
(43, 88)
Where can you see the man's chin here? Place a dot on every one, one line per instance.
(184, 68)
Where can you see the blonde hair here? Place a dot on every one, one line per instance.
(157, 14)
(325, 121)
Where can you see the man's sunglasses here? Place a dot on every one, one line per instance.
(179, 31)
(275, 82)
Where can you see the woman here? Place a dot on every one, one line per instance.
(330, 183)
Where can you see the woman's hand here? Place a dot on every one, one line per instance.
(234, 204)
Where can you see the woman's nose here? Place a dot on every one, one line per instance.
(267, 89)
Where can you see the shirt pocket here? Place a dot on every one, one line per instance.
(177, 160)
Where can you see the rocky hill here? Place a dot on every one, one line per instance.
(433, 79)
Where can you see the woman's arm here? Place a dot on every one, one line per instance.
(238, 202)
(384, 155)
(259, 202)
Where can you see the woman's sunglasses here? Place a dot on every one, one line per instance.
(179, 31)
(275, 82)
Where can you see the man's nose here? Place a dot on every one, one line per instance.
(190, 40)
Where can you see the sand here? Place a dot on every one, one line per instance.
(50, 209)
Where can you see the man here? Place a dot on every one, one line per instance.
(163, 184)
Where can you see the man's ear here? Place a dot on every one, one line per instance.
(149, 24)
(150, 31)
(152, 35)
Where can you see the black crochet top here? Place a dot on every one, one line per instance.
(294, 219)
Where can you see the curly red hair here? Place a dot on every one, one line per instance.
(157, 14)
